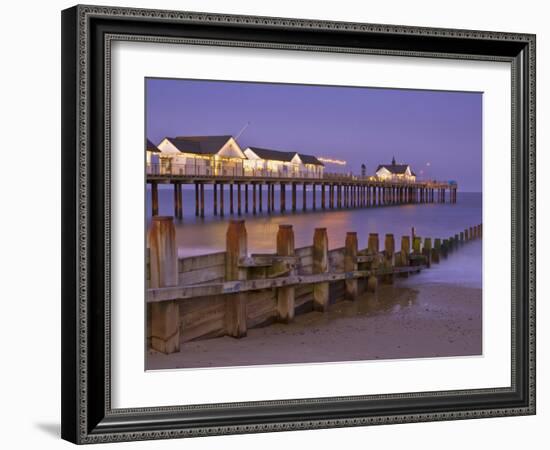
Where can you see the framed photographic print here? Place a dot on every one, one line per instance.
(280, 224)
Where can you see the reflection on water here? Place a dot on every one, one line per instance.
(385, 299)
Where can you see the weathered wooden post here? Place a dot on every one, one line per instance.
(466, 236)
(436, 251)
(445, 248)
(285, 295)
(320, 265)
(461, 237)
(373, 249)
(417, 245)
(389, 251)
(450, 246)
(235, 304)
(427, 250)
(165, 331)
(350, 264)
(416, 250)
(456, 241)
(404, 254)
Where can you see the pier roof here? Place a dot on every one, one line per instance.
(202, 145)
(309, 159)
(394, 168)
(277, 155)
(151, 147)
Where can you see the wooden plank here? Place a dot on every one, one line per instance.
(233, 287)
(201, 262)
(304, 251)
(266, 260)
(203, 330)
(201, 276)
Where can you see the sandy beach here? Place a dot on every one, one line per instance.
(426, 319)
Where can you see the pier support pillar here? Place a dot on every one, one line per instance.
(246, 198)
(154, 199)
(350, 264)
(239, 211)
(178, 203)
(323, 193)
(314, 193)
(320, 265)
(285, 295)
(222, 200)
(231, 209)
(260, 206)
(293, 197)
(282, 197)
(254, 198)
(304, 197)
(197, 200)
(202, 199)
(235, 304)
(215, 199)
(165, 330)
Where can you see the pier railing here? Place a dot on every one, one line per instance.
(228, 170)
(227, 293)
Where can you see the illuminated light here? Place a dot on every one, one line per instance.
(428, 164)
(338, 162)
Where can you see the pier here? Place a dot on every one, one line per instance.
(256, 193)
(229, 292)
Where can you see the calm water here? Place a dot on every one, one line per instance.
(197, 236)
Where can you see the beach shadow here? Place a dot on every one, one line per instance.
(53, 429)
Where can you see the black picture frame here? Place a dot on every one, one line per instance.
(87, 416)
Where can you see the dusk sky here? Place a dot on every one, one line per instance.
(438, 133)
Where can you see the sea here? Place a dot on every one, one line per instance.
(199, 236)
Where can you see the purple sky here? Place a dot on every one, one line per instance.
(359, 125)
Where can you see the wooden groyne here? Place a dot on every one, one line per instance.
(256, 194)
(229, 292)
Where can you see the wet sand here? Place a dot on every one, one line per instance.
(399, 321)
